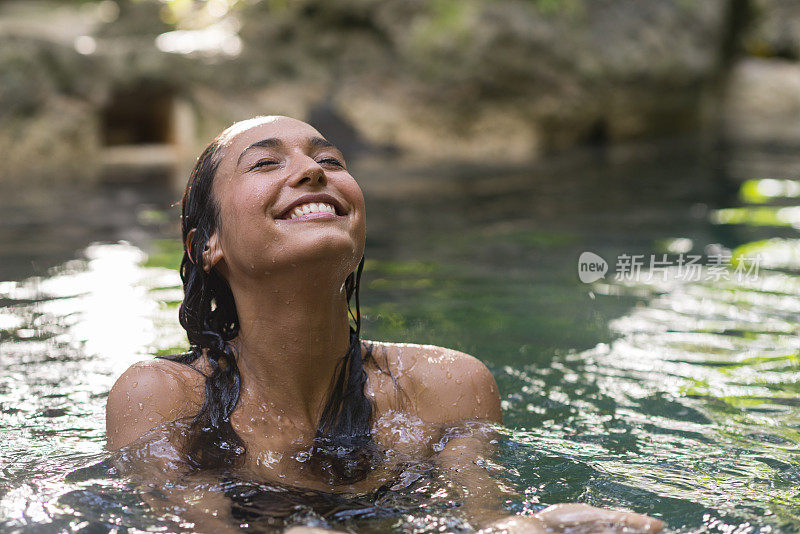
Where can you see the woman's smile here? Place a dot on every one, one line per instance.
(312, 212)
(318, 206)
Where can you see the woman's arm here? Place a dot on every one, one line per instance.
(464, 459)
(145, 426)
(157, 468)
(456, 390)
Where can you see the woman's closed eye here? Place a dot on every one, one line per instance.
(325, 161)
(331, 161)
(264, 163)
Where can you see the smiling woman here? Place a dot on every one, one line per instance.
(277, 385)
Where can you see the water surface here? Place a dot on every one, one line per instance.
(667, 396)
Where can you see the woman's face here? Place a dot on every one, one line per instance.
(286, 200)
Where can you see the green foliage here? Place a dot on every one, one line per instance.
(560, 6)
(763, 190)
(757, 216)
(165, 253)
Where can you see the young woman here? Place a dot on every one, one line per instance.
(278, 385)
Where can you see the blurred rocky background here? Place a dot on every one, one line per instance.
(133, 89)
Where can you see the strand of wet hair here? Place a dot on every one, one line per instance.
(213, 441)
(344, 449)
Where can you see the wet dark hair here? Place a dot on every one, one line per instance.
(343, 450)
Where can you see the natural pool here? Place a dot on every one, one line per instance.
(671, 396)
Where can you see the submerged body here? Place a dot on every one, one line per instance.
(418, 391)
(432, 406)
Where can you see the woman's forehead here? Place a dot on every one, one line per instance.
(240, 135)
(235, 140)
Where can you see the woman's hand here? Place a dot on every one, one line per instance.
(311, 530)
(562, 516)
(576, 519)
(571, 518)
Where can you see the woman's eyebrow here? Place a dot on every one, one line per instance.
(320, 142)
(272, 142)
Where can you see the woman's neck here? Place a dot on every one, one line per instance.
(293, 332)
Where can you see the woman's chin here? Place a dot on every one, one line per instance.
(329, 250)
(318, 225)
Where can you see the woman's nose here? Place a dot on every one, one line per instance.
(310, 172)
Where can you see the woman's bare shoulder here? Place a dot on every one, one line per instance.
(446, 385)
(147, 394)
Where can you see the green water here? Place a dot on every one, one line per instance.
(670, 396)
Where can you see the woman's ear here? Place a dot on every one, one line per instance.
(188, 244)
(212, 252)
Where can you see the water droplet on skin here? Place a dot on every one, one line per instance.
(135, 385)
(459, 381)
(141, 406)
(449, 375)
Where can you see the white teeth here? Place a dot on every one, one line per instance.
(311, 207)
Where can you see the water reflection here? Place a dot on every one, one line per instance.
(66, 338)
(691, 410)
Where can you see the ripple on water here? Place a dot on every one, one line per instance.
(703, 379)
(691, 412)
